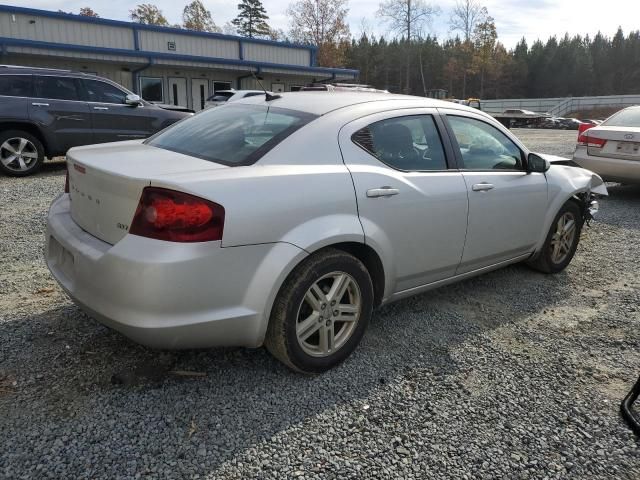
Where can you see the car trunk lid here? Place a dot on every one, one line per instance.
(106, 182)
(614, 142)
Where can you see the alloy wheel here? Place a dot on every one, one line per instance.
(18, 154)
(328, 314)
(563, 237)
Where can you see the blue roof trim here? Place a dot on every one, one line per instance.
(169, 56)
(141, 26)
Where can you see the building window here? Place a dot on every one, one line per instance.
(296, 88)
(217, 86)
(151, 89)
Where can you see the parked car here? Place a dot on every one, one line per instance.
(569, 123)
(285, 222)
(612, 149)
(223, 96)
(44, 112)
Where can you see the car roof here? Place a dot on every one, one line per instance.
(321, 103)
(16, 69)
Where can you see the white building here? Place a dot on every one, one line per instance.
(162, 64)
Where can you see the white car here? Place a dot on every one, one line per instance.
(286, 222)
(612, 149)
(223, 96)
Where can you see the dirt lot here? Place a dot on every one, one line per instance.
(510, 375)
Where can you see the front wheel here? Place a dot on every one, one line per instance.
(321, 312)
(562, 240)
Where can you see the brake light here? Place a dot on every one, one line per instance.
(173, 216)
(585, 140)
(583, 127)
(66, 182)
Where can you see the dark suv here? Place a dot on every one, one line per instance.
(44, 112)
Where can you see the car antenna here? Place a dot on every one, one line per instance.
(268, 96)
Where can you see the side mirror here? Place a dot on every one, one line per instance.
(535, 163)
(133, 100)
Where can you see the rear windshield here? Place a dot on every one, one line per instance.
(232, 134)
(220, 97)
(625, 118)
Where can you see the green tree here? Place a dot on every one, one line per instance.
(148, 14)
(252, 19)
(196, 17)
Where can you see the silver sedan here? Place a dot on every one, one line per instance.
(286, 220)
(612, 149)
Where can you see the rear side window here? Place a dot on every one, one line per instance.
(404, 143)
(231, 134)
(626, 118)
(57, 88)
(103, 92)
(15, 85)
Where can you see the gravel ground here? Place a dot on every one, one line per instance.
(513, 375)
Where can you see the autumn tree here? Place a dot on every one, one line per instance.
(252, 19)
(148, 14)
(407, 19)
(196, 17)
(484, 39)
(321, 23)
(88, 12)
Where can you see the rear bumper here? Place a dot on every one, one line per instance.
(165, 294)
(610, 169)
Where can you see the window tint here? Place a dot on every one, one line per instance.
(151, 89)
(220, 97)
(406, 143)
(484, 147)
(103, 92)
(57, 88)
(15, 85)
(231, 134)
(629, 117)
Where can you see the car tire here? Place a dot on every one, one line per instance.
(304, 331)
(21, 153)
(562, 240)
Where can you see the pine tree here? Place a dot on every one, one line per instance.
(252, 19)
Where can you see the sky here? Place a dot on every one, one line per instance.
(514, 19)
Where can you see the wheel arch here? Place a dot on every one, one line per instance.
(29, 128)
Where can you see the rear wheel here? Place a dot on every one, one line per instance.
(562, 240)
(20, 153)
(321, 312)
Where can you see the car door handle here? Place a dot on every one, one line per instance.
(38, 104)
(101, 108)
(482, 187)
(382, 192)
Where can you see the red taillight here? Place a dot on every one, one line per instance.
(177, 217)
(66, 183)
(587, 141)
(583, 127)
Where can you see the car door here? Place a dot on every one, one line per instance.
(412, 206)
(112, 119)
(507, 204)
(57, 107)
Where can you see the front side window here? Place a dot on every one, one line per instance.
(151, 89)
(231, 134)
(404, 143)
(484, 147)
(15, 85)
(56, 88)
(103, 92)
